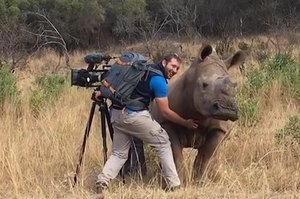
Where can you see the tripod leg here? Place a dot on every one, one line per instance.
(103, 132)
(138, 162)
(86, 135)
(110, 128)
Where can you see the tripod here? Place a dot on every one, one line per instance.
(105, 117)
(136, 152)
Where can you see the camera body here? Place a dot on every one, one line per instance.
(88, 77)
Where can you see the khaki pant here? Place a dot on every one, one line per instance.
(141, 125)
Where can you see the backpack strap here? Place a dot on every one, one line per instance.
(136, 104)
(156, 71)
(108, 85)
(150, 69)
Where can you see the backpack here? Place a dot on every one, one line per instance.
(123, 77)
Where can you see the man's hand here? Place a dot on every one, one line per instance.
(167, 113)
(96, 95)
(191, 124)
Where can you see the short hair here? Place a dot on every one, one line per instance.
(170, 56)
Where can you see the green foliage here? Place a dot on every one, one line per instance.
(14, 11)
(128, 15)
(248, 110)
(289, 135)
(76, 18)
(280, 63)
(134, 7)
(294, 82)
(48, 88)
(8, 86)
(285, 68)
(281, 67)
(93, 22)
(256, 79)
(11, 9)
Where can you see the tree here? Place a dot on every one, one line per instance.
(126, 16)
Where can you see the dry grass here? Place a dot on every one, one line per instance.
(38, 155)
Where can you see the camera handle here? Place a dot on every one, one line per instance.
(105, 117)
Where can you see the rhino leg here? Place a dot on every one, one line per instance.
(205, 152)
(177, 150)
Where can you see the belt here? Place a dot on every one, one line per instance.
(129, 111)
(117, 107)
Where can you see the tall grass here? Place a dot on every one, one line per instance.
(8, 86)
(38, 155)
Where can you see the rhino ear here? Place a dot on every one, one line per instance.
(206, 50)
(237, 59)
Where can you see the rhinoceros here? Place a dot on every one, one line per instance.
(206, 93)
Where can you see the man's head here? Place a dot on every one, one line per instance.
(171, 63)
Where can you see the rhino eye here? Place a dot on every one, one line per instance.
(204, 84)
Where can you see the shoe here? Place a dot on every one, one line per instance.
(100, 186)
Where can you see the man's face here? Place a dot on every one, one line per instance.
(171, 67)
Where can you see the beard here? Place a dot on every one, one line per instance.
(170, 74)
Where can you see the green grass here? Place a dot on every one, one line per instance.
(8, 86)
(47, 89)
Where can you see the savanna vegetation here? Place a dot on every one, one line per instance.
(42, 118)
(66, 25)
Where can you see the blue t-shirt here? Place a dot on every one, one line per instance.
(158, 86)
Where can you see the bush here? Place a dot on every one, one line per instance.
(259, 80)
(291, 77)
(289, 135)
(283, 67)
(280, 63)
(8, 85)
(294, 81)
(248, 111)
(256, 79)
(48, 89)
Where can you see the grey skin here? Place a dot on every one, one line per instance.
(206, 93)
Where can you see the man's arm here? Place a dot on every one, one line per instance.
(163, 106)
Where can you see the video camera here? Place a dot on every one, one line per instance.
(87, 77)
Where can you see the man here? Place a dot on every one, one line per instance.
(135, 163)
(138, 123)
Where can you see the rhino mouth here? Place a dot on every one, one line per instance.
(224, 110)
